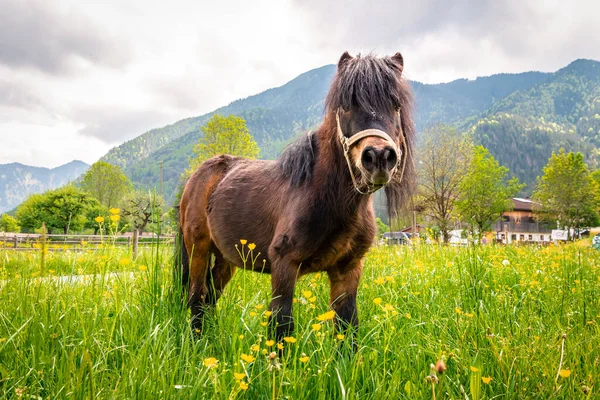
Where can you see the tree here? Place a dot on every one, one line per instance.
(224, 135)
(139, 209)
(566, 192)
(107, 183)
(443, 162)
(485, 192)
(63, 209)
(8, 224)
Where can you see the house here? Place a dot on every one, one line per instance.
(519, 225)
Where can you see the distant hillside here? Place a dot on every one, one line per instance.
(17, 181)
(522, 129)
(276, 116)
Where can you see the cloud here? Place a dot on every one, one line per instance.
(112, 125)
(16, 94)
(35, 35)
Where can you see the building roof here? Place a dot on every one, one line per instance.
(521, 204)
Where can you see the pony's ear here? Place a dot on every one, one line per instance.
(399, 60)
(344, 59)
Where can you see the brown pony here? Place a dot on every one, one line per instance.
(310, 210)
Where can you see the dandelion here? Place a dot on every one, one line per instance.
(99, 219)
(252, 314)
(239, 376)
(377, 300)
(304, 358)
(114, 211)
(318, 275)
(268, 314)
(339, 336)
(115, 218)
(458, 310)
(388, 307)
(408, 316)
(564, 373)
(243, 385)
(255, 347)
(259, 306)
(264, 323)
(241, 337)
(252, 246)
(124, 261)
(142, 268)
(210, 362)
(316, 327)
(469, 315)
(486, 379)
(380, 280)
(307, 294)
(290, 339)
(243, 241)
(313, 299)
(326, 316)
(270, 343)
(389, 278)
(474, 369)
(247, 358)
(51, 271)
(280, 346)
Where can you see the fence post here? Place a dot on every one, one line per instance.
(16, 241)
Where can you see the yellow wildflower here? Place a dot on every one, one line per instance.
(280, 346)
(458, 310)
(377, 300)
(210, 362)
(313, 299)
(255, 347)
(239, 376)
(326, 316)
(115, 218)
(564, 373)
(114, 210)
(474, 369)
(142, 268)
(304, 359)
(486, 379)
(340, 336)
(290, 339)
(252, 246)
(307, 293)
(247, 358)
(408, 316)
(243, 385)
(389, 278)
(259, 306)
(316, 327)
(243, 241)
(99, 219)
(380, 281)
(252, 314)
(124, 261)
(270, 343)
(264, 323)
(268, 313)
(241, 337)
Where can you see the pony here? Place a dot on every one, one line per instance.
(311, 210)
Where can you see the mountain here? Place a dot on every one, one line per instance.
(522, 129)
(521, 118)
(17, 181)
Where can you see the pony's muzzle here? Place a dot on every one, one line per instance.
(379, 163)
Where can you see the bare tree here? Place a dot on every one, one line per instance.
(443, 161)
(141, 208)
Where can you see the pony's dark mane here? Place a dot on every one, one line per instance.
(298, 159)
(375, 85)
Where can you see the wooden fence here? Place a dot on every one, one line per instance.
(19, 241)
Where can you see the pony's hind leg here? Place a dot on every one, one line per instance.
(199, 253)
(218, 277)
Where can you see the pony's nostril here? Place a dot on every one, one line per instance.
(368, 158)
(390, 157)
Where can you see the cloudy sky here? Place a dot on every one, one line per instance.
(79, 77)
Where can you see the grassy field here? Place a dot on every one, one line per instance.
(507, 322)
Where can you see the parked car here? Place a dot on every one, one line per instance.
(596, 242)
(395, 238)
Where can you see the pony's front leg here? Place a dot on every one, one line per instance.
(283, 281)
(344, 286)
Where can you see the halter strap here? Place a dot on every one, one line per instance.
(347, 143)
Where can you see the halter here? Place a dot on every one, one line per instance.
(347, 143)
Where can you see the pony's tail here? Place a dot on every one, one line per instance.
(181, 268)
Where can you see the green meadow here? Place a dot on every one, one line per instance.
(485, 322)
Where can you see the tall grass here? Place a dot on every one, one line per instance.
(495, 317)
